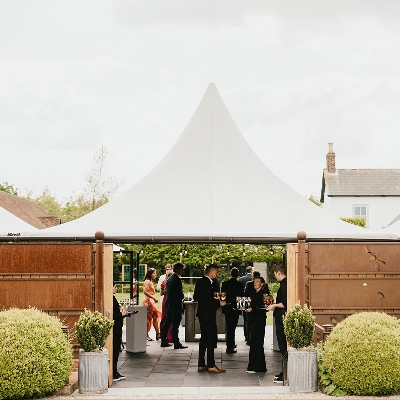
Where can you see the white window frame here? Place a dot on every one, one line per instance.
(361, 216)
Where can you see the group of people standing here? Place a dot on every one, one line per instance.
(251, 285)
(170, 287)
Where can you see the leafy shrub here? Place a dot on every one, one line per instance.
(328, 386)
(299, 326)
(92, 330)
(356, 221)
(35, 354)
(362, 354)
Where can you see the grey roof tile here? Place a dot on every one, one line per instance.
(362, 182)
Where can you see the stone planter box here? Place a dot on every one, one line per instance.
(93, 372)
(302, 370)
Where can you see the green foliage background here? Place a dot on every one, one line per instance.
(195, 256)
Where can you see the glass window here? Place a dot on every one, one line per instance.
(361, 211)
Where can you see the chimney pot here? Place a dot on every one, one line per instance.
(330, 160)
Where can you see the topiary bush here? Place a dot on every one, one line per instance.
(299, 325)
(362, 355)
(92, 330)
(35, 354)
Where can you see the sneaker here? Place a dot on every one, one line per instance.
(118, 377)
(278, 380)
(278, 376)
(251, 372)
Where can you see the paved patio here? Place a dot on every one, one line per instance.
(166, 367)
(165, 373)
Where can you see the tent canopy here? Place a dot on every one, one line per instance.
(10, 225)
(210, 187)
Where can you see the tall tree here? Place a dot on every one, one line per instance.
(100, 185)
(47, 201)
(8, 188)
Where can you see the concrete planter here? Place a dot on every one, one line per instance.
(303, 370)
(93, 372)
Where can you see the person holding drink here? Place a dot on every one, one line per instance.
(206, 293)
(257, 311)
(231, 289)
(279, 308)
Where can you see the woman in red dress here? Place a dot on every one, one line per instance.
(153, 314)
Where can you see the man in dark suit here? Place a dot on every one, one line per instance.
(280, 308)
(243, 280)
(233, 289)
(174, 307)
(206, 313)
(118, 317)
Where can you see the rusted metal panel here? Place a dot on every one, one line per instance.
(354, 292)
(328, 258)
(46, 294)
(99, 275)
(45, 258)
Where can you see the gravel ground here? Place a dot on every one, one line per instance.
(231, 396)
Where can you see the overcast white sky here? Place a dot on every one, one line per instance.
(295, 75)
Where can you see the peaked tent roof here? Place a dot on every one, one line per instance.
(10, 225)
(210, 187)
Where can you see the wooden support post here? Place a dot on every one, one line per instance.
(99, 236)
(301, 265)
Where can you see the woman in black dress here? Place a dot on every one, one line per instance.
(256, 353)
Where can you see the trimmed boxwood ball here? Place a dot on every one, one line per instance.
(362, 354)
(35, 354)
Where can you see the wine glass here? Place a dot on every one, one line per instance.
(223, 296)
(216, 295)
(238, 302)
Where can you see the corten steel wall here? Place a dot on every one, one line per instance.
(62, 279)
(57, 278)
(341, 279)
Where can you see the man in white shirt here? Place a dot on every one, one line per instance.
(162, 277)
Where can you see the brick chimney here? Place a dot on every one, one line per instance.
(330, 159)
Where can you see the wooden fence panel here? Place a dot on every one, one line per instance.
(360, 258)
(47, 294)
(46, 258)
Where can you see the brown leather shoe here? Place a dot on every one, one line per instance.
(215, 369)
(200, 369)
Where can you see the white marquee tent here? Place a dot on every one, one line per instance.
(10, 225)
(211, 187)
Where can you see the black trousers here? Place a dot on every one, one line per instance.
(256, 352)
(248, 326)
(117, 337)
(280, 335)
(174, 317)
(231, 320)
(208, 340)
(244, 313)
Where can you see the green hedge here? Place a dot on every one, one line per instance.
(35, 354)
(362, 355)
